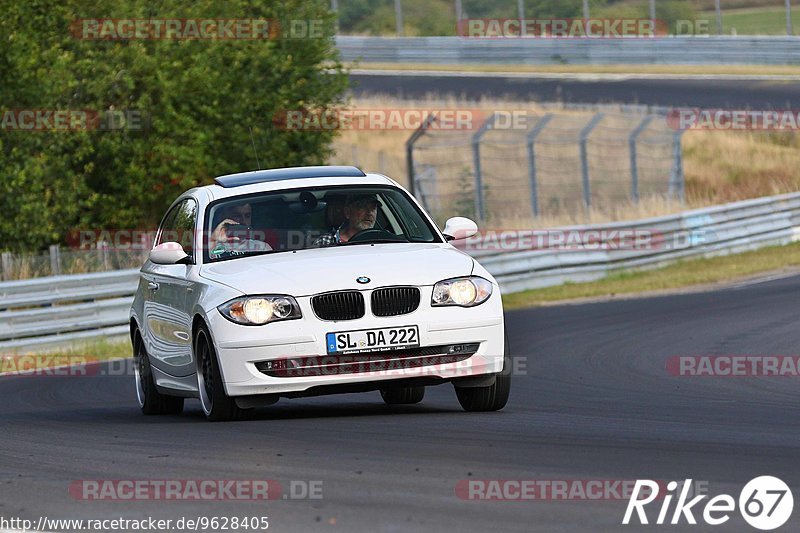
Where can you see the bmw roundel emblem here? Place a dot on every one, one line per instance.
(363, 279)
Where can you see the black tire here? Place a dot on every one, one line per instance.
(403, 395)
(151, 401)
(493, 397)
(216, 404)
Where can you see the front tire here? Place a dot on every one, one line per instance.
(151, 402)
(217, 405)
(491, 398)
(403, 395)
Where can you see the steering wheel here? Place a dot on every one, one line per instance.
(375, 234)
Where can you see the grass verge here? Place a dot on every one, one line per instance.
(689, 273)
(83, 353)
(753, 21)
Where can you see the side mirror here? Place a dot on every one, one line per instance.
(168, 253)
(459, 228)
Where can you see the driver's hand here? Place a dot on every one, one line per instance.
(220, 233)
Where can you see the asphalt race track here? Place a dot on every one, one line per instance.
(714, 93)
(595, 402)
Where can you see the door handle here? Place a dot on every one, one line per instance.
(152, 285)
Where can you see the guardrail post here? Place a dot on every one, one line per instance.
(676, 179)
(587, 191)
(532, 160)
(7, 261)
(55, 259)
(419, 132)
(634, 164)
(480, 208)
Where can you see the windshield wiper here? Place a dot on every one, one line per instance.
(375, 241)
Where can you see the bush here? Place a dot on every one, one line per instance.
(196, 98)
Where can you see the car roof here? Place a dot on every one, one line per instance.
(291, 178)
(281, 174)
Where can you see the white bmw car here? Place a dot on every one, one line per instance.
(307, 281)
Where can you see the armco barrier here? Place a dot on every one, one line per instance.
(700, 50)
(59, 310)
(719, 230)
(42, 312)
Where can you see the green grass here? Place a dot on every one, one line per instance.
(754, 21)
(696, 272)
(79, 353)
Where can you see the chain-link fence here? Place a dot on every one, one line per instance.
(562, 163)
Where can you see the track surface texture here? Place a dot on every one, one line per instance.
(713, 93)
(594, 401)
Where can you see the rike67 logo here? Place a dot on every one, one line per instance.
(765, 503)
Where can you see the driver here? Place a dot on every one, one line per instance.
(221, 244)
(360, 213)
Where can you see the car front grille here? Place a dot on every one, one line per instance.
(394, 301)
(333, 365)
(344, 305)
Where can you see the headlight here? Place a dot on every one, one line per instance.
(465, 292)
(259, 310)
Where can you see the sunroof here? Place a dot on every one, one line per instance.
(291, 173)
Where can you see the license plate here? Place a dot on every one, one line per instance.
(372, 340)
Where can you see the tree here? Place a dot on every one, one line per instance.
(194, 100)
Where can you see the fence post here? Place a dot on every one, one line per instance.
(398, 14)
(634, 164)
(419, 132)
(587, 191)
(532, 161)
(676, 179)
(7, 261)
(335, 9)
(382, 162)
(103, 247)
(55, 259)
(480, 209)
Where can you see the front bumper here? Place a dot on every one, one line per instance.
(241, 348)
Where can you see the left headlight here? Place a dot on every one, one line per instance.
(464, 292)
(260, 310)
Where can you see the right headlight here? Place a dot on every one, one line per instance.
(464, 292)
(259, 310)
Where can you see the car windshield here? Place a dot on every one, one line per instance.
(297, 219)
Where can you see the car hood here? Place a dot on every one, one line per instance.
(312, 271)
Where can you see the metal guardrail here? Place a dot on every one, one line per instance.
(773, 50)
(719, 230)
(43, 312)
(57, 310)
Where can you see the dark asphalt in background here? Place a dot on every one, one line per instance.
(714, 93)
(595, 403)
